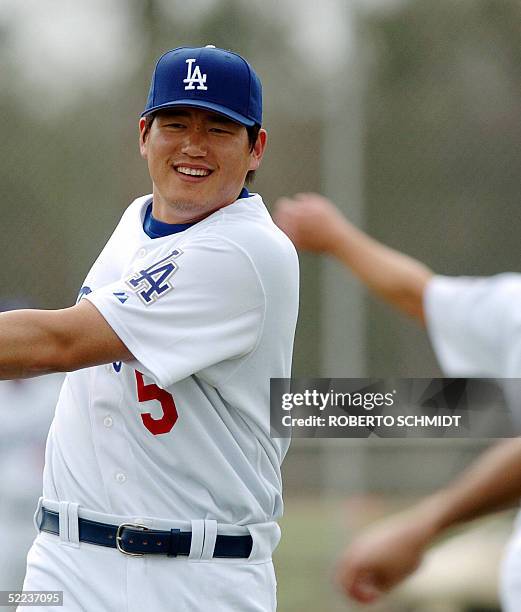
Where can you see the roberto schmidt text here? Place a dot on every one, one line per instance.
(372, 420)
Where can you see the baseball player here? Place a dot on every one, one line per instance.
(474, 327)
(162, 485)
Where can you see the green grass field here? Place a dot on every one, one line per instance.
(311, 536)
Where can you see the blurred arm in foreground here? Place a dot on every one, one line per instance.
(383, 556)
(471, 323)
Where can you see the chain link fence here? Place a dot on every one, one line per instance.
(440, 132)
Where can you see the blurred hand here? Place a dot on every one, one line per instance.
(381, 558)
(312, 222)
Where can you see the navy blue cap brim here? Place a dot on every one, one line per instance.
(222, 110)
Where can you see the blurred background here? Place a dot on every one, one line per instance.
(406, 113)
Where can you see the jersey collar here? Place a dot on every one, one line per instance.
(154, 228)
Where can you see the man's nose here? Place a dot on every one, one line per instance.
(195, 143)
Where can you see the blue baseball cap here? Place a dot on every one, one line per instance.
(210, 78)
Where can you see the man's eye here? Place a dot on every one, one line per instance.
(219, 131)
(174, 125)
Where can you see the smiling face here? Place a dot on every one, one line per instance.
(198, 161)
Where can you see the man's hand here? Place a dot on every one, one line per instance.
(381, 558)
(312, 222)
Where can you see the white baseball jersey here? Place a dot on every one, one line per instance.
(474, 326)
(183, 432)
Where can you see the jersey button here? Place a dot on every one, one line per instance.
(141, 252)
(120, 477)
(107, 421)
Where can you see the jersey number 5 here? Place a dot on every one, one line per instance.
(146, 393)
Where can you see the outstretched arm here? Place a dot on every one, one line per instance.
(34, 342)
(385, 555)
(314, 224)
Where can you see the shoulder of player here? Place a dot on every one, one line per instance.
(244, 230)
(260, 244)
(248, 224)
(506, 284)
(469, 299)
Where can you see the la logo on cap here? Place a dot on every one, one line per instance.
(194, 76)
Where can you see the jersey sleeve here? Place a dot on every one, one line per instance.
(475, 324)
(188, 310)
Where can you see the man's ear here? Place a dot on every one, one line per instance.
(259, 147)
(143, 149)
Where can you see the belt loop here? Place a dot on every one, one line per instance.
(63, 523)
(37, 519)
(68, 524)
(196, 547)
(210, 536)
(74, 528)
(265, 536)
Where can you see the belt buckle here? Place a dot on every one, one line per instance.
(119, 538)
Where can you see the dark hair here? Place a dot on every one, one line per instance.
(253, 133)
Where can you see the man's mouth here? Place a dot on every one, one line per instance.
(192, 171)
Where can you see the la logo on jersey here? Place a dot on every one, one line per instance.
(194, 76)
(152, 283)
